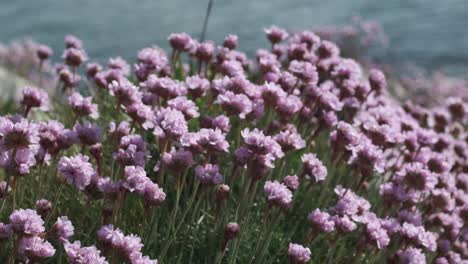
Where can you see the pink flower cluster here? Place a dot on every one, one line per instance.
(321, 134)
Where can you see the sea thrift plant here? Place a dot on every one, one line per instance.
(202, 154)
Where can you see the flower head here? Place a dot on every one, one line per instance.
(344, 224)
(116, 132)
(275, 34)
(235, 104)
(290, 139)
(35, 97)
(76, 170)
(204, 51)
(367, 158)
(377, 80)
(88, 133)
(376, 234)
(411, 255)
(211, 140)
(292, 182)
(44, 52)
(321, 220)
(72, 41)
(35, 248)
(152, 58)
(135, 179)
(288, 106)
(278, 194)
(124, 91)
(271, 93)
(74, 56)
(141, 114)
(119, 64)
(184, 105)
(26, 222)
(304, 70)
(298, 254)
(83, 106)
(260, 144)
(175, 161)
(78, 254)
(62, 230)
(349, 203)
(197, 86)
(314, 168)
(5, 231)
(209, 174)
(131, 151)
(20, 137)
(415, 176)
(43, 207)
(231, 230)
(164, 87)
(181, 41)
(92, 69)
(231, 41)
(170, 124)
(153, 194)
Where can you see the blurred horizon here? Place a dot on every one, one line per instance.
(429, 35)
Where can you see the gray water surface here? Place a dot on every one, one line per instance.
(430, 33)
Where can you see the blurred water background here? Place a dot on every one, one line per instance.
(430, 34)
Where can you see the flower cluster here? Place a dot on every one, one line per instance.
(177, 148)
(127, 248)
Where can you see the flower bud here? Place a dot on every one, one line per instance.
(92, 69)
(43, 208)
(230, 42)
(231, 230)
(222, 192)
(74, 57)
(96, 151)
(43, 52)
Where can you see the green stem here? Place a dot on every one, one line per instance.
(12, 257)
(6, 193)
(220, 255)
(153, 232)
(151, 227)
(176, 207)
(268, 240)
(197, 205)
(184, 214)
(55, 201)
(13, 187)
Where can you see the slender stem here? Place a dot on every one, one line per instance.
(13, 187)
(161, 172)
(240, 209)
(13, 254)
(153, 231)
(117, 206)
(197, 204)
(176, 207)
(26, 111)
(262, 233)
(331, 250)
(41, 62)
(221, 253)
(55, 201)
(189, 206)
(265, 246)
(205, 22)
(6, 193)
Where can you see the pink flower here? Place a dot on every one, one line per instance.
(76, 170)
